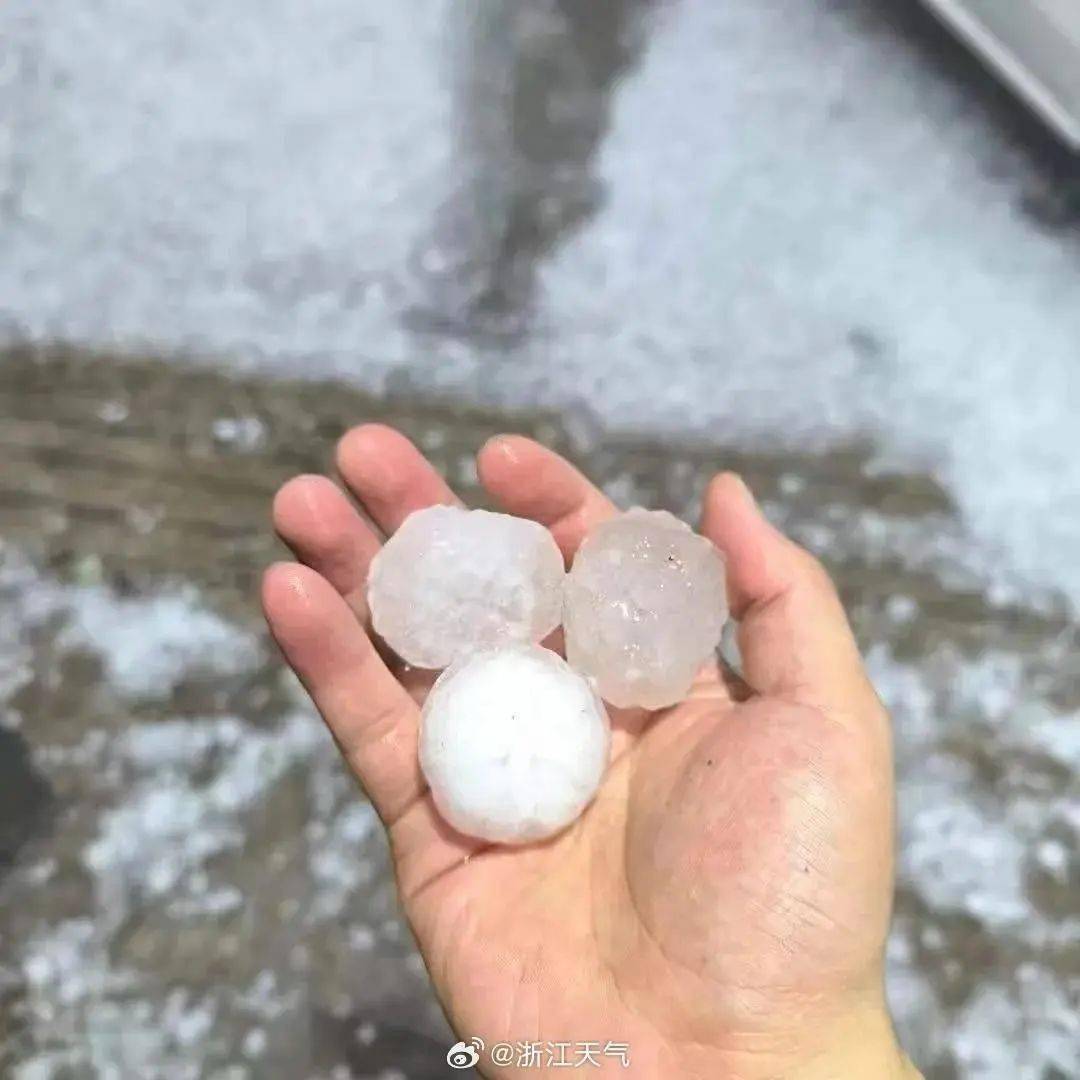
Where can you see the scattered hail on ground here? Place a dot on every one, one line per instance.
(189, 876)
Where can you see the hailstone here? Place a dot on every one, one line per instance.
(645, 606)
(513, 744)
(450, 581)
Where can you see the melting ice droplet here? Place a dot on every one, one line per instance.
(513, 743)
(450, 581)
(645, 605)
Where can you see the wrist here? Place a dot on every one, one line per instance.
(859, 1044)
(863, 1044)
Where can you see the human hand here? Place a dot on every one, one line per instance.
(722, 905)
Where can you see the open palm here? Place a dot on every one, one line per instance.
(721, 907)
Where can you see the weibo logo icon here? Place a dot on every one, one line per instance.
(464, 1055)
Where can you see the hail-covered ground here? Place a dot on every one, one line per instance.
(808, 241)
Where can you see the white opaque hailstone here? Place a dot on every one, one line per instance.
(451, 581)
(645, 607)
(513, 743)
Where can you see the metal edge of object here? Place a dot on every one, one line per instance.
(1005, 62)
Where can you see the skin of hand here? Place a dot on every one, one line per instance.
(722, 906)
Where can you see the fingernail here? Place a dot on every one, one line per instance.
(504, 445)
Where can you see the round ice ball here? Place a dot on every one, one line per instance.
(513, 743)
(645, 607)
(451, 581)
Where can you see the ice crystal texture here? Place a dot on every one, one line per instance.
(451, 581)
(645, 605)
(513, 743)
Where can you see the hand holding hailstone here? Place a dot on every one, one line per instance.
(721, 902)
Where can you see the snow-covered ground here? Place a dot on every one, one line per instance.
(809, 228)
(781, 223)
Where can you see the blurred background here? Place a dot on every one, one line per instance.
(811, 240)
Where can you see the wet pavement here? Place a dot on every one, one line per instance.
(812, 242)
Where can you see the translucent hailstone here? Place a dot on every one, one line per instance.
(513, 743)
(645, 607)
(450, 581)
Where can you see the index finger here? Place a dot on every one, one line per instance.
(531, 481)
(389, 476)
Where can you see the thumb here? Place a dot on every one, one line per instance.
(794, 637)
